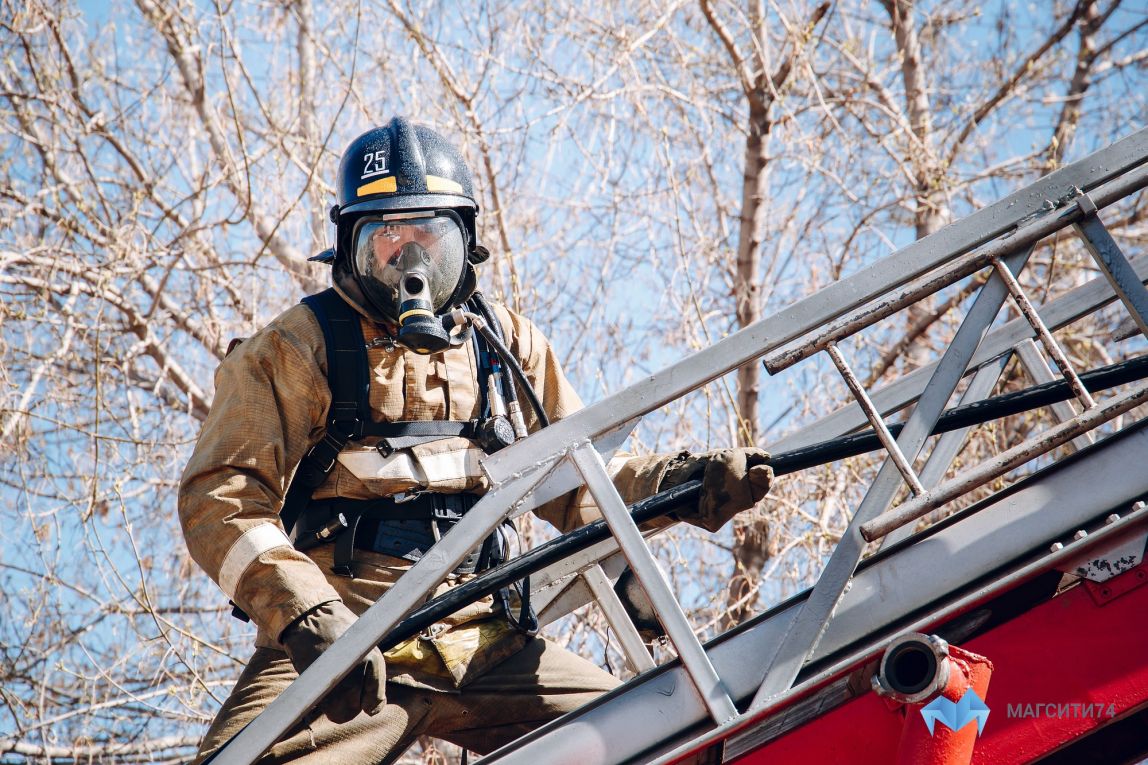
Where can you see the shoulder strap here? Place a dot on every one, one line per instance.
(348, 377)
(348, 373)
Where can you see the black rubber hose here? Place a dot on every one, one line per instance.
(783, 463)
(976, 413)
(484, 310)
(508, 358)
(662, 503)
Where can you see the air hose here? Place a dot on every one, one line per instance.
(484, 328)
(509, 389)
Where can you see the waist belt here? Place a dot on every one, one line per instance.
(404, 529)
(407, 529)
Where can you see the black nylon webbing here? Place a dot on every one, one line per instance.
(420, 428)
(348, 374)
(349, 378)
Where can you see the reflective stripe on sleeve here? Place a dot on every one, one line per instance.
(254, 542)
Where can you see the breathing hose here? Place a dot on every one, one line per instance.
(486, 312)
(483, 327)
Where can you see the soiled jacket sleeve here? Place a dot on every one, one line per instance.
(271, 398)
(634, 477)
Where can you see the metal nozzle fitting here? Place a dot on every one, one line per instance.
(914, 667)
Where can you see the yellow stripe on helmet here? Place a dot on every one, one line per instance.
(438, 184)
(381, 186)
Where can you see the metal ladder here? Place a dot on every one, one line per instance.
(760, 662)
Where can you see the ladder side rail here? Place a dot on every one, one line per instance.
(1059, 312)
(368, 630)
(809, 626)
(1128, 155)
(890, 303)
(1028, 232)
(949, 445)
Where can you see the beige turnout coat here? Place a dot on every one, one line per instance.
(270, 407)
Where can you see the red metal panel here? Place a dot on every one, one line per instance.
(1068, 651)
(863, 731)
(1061, 671)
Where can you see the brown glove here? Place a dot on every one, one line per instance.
(638, 607)
(364, 688)
(733, 480)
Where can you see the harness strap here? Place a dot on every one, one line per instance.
(421, 428)
(349, 418)
(424, 507)
(348, 379)
(402, 529)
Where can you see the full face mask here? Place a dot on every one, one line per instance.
(409, 266)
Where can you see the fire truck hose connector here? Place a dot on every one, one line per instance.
(915, 667)
(915, 670)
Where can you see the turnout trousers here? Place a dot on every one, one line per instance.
(535, 685)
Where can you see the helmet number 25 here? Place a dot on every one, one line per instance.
(374, 163)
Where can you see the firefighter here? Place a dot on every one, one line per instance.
(305, 504)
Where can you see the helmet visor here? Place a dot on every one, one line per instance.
(393, 247)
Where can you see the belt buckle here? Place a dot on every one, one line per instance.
(438, 510)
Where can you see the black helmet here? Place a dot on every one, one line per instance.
(402, 187)
(403, 166)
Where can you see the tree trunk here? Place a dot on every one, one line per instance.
(751, 536)
(308, 126)
(930, 209)
(747, 290)
(1090, 23)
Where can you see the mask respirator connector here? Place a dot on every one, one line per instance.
(419, 328)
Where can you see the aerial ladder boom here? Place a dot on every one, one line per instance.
(809, 659)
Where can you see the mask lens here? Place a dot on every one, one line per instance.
(389, 250)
